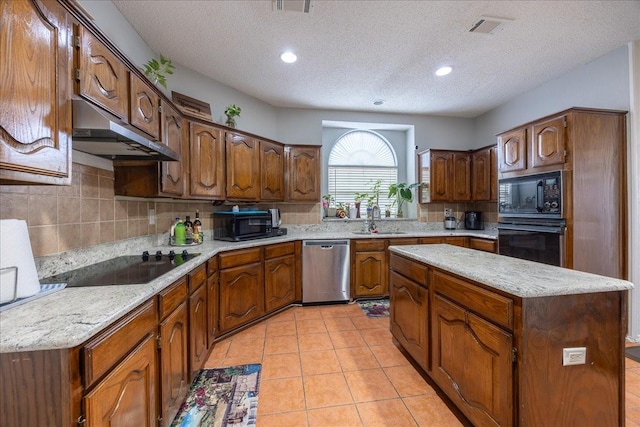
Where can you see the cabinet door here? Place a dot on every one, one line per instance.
(303, 169)
(145, 108)
(243, 167)
(461, 177)
(481, 175)
(241, 296)
(35, 76)
(279, 282)
(441, 176)
(472, 363)
(493, 153)
(512, 151)
(409, 316)
(104, 79)
(197, 329)
(271, 171)
(172, 173)
(424, 177)
(212, 308)
(127, 395)
(548, 143)
(371, 274)
(206, 161)
(174, 368)
(462, 241)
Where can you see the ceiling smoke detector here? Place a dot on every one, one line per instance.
(489, 25)
(303, 6)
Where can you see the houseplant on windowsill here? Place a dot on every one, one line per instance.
(358, 198)
(327, 200)
(402, 193)
(231, 112)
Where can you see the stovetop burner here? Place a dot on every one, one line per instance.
(123, 270)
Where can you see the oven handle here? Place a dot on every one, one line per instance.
(534, 228)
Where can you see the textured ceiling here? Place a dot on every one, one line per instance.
(351, 53)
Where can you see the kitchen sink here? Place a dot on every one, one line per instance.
(380, 233)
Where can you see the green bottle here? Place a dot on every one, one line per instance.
(180, 233)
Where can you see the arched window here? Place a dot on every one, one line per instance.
(357, 160)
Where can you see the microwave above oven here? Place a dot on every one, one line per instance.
(532, 196)
(243, 225)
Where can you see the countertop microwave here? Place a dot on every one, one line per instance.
(242, 225)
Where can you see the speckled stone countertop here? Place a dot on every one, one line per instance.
(518, 277)
(71, 316)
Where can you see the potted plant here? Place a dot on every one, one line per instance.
(358, 198)
(231, 112)
(327, 200)
(157, 71)
(373, 199)
(402, 193)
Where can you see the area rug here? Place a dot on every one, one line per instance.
(633, 353)
(375, 308)
(222, 397)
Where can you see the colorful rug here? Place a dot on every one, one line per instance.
(375, 308)
(222, 397)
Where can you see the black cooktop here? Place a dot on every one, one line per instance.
(123, 270)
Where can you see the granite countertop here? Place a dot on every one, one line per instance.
(70, 317)
(525, 279)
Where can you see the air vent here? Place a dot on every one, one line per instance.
(292, 5)
(488, 25)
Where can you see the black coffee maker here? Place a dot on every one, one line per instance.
(473, 220)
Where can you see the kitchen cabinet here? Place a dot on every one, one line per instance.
(198, 323)
(243, 167)
(280, 278)
(369, 268)
(145, 108)
(461, 176)
(487, 245)
(445, 175)
(35, 125)
(271, 171)
(241, 288)
(206, 162)
(512, 150)
(212, 301)
(483, 175)
(173, 343)
(303, 173)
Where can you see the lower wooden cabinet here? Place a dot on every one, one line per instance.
(369, 268)
(279, 276)
(486, 245)
(212, 301)
(198, 323)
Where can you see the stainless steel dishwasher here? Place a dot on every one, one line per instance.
(325, 271)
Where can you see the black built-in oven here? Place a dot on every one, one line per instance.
(531, 222)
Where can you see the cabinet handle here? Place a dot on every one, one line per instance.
(81, 420)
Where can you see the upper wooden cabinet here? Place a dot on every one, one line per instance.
(271, 171)
(101, 77)
(303, 173)
(548, 142)
(172, 179)
(243, 167)
(206, 161)
(461, 176)
(512, 151)
(35, 76)
(484, 174)
(145, 108)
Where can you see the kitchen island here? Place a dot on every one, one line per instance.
(512, 342)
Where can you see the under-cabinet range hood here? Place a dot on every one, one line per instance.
(97, 134)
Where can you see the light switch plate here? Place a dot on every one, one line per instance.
(574, 356)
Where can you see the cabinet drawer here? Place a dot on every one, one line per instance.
(431, 240)
(172, 297)
(369, 245)
(408, 268)
(403, 241)
(197, 278)
(482, 244)
(274, 251)
(103, 352)
(489, 305)
(241, 257)
(212, 266)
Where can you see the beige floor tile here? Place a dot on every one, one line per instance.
(281, 366)
(407, 381)
(284, 316)
(355, 310)
(286, 419)
(356, 359)
(319, 362)
(246, 347)
(339, 324)
(280, 345)
(342, 416)
(310, 326)
(255, 331)
(313, 342)
(345, 339)
(334, 311)
(385, 413)
(278, 329)
(326, 390)
(389, 355)
(240, 360)
(374, 337)
(366, 323)
(369, 385)
(281, 395)
(307, 313)
(431, 411)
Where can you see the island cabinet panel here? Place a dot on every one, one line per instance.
(279, 276)
(243, 167)
(206, 161)
(36, 59)
(271, 171)
(472, 363)
(303, 173)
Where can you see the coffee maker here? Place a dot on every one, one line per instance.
(473, 220)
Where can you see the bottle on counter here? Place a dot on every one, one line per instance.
(188, 230)
(172, 232)
(197, 229)
(180, 233)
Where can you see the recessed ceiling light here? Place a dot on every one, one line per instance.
(443, 71)
(378, 102)
(289, 57)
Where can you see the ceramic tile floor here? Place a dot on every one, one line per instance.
(333, 366)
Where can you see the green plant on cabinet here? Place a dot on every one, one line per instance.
(157, 71)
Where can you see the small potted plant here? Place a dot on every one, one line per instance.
(157, 71)
(358, 198)
(402, 193)
(232, 111)
(327, 200)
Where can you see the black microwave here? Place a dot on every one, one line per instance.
(532, 196)
(243, 225)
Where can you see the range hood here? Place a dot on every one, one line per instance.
(95, 133)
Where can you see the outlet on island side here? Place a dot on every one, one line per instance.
(574, 356)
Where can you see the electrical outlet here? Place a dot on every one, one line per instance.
(448, 212)
(152, 217)
(574, 356)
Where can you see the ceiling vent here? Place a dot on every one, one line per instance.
(292, 5)
(489, 25)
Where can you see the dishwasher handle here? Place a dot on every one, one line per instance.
(325, 244)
